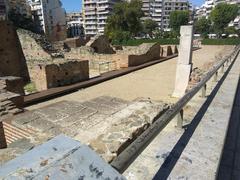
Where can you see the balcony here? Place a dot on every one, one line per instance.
(90, 2)
(102, 17)
(102, 2)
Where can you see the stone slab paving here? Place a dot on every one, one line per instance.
(194, 153)
(107, 124)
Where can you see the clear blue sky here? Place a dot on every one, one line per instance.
(76, 5)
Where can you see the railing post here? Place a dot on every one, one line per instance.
(179, 119)
(204, 91)
(222, 69)
(215, 77)
(227, 62)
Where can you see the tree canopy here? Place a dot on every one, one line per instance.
(222, 14)
(149, 26)
(203, 26)
(177, 19)
(125, 20)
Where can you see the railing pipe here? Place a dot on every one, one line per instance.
(125, 158)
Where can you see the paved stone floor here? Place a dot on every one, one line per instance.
(106, 123)
(230, 162)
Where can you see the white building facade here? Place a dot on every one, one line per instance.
(75, 24)
(3, 9)
(51, 18)
(208, 6)
(159, 10)
(95, 14)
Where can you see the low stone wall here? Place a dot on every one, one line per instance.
(134, 56)
(168, 50)
(75, 42)
(101, 45)
(48, 76)
(129, 56)
(9, 102)
(14, 84)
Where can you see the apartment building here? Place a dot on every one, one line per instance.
(51, 18)
(208, 5)
(146, 8)
(75, 24)
(159, 10)
(95, 13)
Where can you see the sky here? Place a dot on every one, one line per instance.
(76, 5)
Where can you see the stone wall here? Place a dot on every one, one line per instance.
(75, 42)
(35, 48)
(48, 76)
(13, 62)
(3, 142)
(101, 45)
(129, 56)
(137, 55)
(9, 102)
(14, 84)
(168, 50)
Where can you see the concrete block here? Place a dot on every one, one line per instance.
(185, 49)
(184, 64)
(59, 158)
(182, 79)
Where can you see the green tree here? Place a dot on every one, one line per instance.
(230, 30)
(150, 26)
(203, 26)
(125, 20)
(221, 15)
(177, 19)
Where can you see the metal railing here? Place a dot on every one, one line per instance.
(126, 157)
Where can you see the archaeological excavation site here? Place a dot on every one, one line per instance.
(84, 108)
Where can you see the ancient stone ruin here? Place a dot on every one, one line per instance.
(106, 123)
(13, 62)
(10, 102)
(139, 55)
(101, 45)
(58, 74)
(75, 42)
